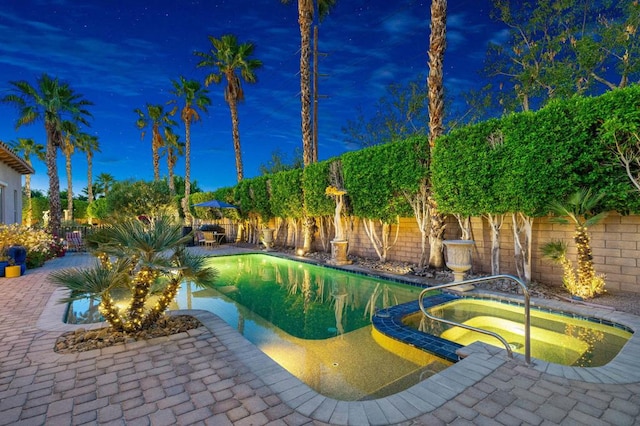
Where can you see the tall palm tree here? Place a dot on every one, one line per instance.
(174, 148)
(28, 147)
(89, 144)
(156, 118)
(70, 134)
(305, 20)
(105, 182)
(309, 151)
(195, 98)
(437, 46)
(51, 101)
(227, 57)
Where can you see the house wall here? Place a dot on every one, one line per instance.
(615, 243)
(10, 195)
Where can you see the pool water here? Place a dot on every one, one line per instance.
(312, 320)
(556, 338)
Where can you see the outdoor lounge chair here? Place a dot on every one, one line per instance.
(74, 241)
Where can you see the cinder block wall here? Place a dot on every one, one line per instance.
(615, 243)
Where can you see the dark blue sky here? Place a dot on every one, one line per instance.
(122, 54)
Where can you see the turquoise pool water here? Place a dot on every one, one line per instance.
(312, 320)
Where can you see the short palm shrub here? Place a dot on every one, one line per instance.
(139, 269)
(577, 209)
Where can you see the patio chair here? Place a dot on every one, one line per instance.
(209, 238)
(74, 241)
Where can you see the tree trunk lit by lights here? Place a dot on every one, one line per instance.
(168, 295)
(142, 283)
(437, 45)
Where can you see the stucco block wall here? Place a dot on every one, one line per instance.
(615, 243)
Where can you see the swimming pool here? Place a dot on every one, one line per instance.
(315, 321)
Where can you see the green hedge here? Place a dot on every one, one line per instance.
(518, 163)
(286, 199)
(315, 180)
(375, 178)
(523, 161)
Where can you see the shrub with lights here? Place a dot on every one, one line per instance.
(139, 269)
(577, 209)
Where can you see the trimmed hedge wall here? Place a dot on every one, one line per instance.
(518, 163)
(523, 161)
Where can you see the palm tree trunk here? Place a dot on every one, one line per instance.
(233, 107)
(27, 190)
(187, 172)
(305, 19)
(437, 44)
(156, 143)
(586, 272)
(69, 216)
(54, 182)
(171, 162)
(89, 177)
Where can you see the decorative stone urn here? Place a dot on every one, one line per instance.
(459, 260)
(267, 238)
(339, 244)
(339, 252)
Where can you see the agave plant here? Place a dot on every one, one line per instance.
(144, 261)
(577, 209)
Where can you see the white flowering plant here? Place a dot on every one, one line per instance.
(37, 242)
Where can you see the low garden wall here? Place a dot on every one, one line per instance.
(615, 243)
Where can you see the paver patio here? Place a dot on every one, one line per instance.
(214, 376)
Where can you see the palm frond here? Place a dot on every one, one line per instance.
(88, 281)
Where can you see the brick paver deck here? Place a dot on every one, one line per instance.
(213, 376)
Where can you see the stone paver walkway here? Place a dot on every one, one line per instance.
(213, 376)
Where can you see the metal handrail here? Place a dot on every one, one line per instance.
(527, 316)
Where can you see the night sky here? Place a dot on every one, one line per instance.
(121, 55)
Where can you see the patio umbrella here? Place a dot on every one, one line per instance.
(215, 204)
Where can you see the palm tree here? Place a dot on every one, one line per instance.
(437, 45)
(50, 101)
(105, 182)
(149, 260)
(27, 147)
(154, 117)
(173, 148)
(89, 144)
(305, 19)
(578, 209)
(226, 58)
(195, 97)
(69, 136)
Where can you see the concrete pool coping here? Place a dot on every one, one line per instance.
(479, 361)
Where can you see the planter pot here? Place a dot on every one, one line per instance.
(267, 238)
(339, 252)
(12, 271)
(459, 260)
